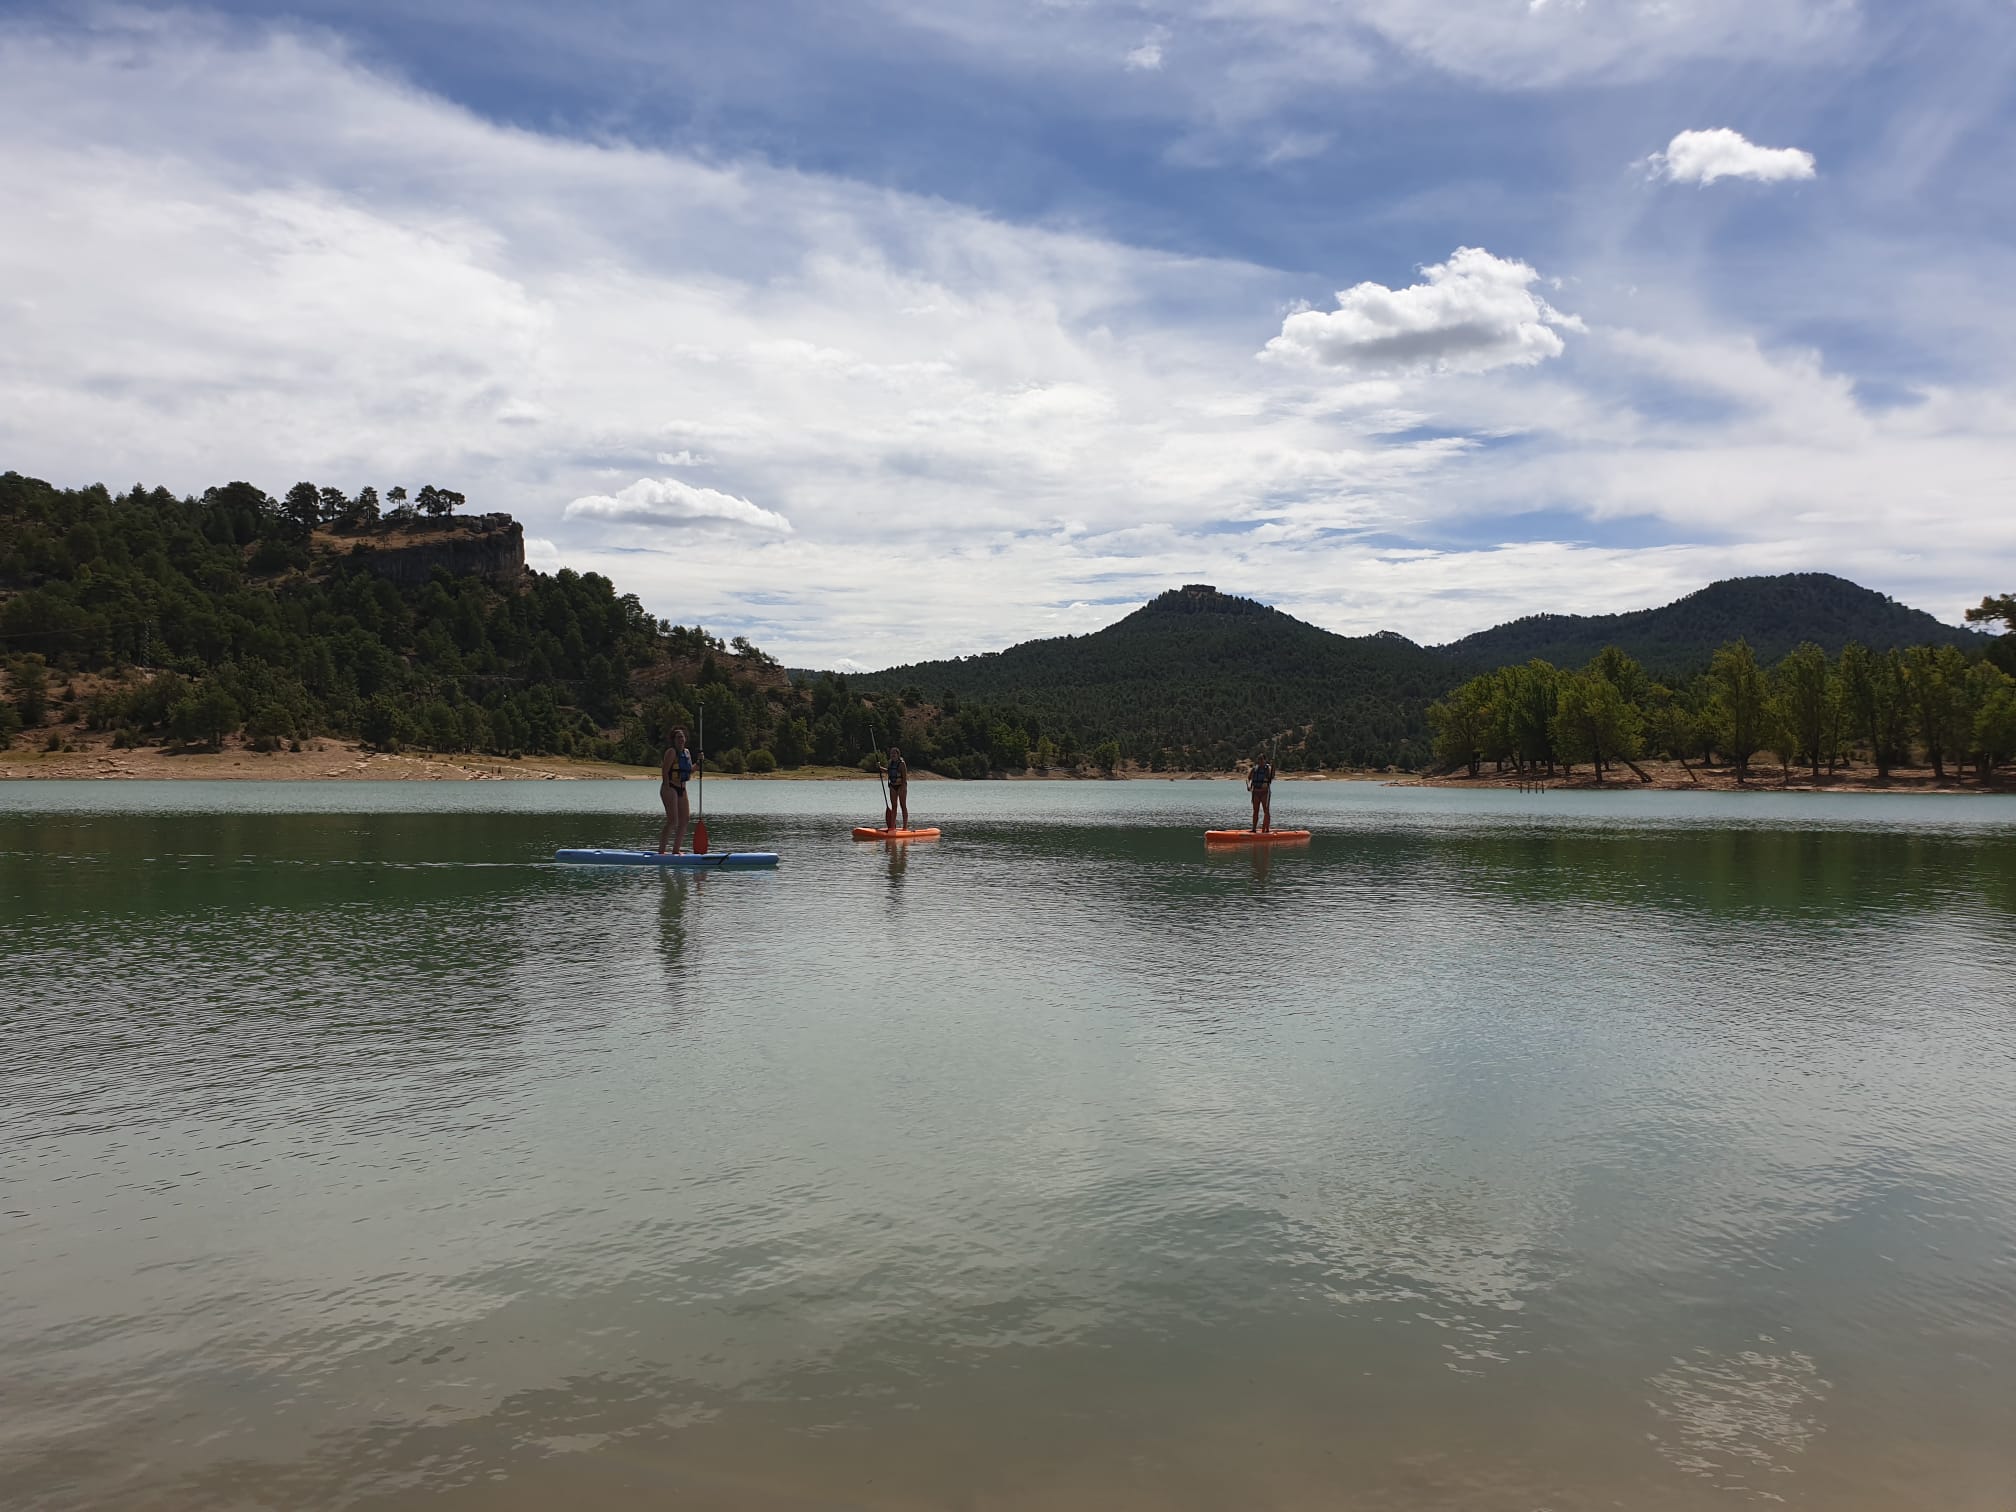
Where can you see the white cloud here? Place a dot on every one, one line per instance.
(667, 502)
(1471, 314)
(1701, 157)
(1147, 58)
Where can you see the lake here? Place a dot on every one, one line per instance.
(1492, 1151)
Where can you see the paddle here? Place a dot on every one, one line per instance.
(700, 826)
(888, 808)
(1273, 771)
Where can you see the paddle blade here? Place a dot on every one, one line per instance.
(700, 838)
(889, 818)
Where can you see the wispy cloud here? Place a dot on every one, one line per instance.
(667, 503)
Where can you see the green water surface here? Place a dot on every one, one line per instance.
(1491, 1151)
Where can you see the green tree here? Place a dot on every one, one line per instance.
(1671, 727)
(1990, 610)
(1106, 756)
(1806, 697)
(2002, 609)
(1981, 684)
(386, 727)
(1622, 673)
(762, 760)
(793, 742)
(1530, 694)
(1995, 727)
(1935, 693)
(1872, 692)
(1739, 703)
(826, 741)
(269, 727)
(1464, 724)
(1008, 746)
(28, 679)
(1780, 734)
(204, 715)
(1593, 722)
(303, 506)
(722, 716)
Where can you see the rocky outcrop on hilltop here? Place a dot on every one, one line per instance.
(488, 546)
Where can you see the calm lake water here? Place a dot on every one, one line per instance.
(1491, 1152)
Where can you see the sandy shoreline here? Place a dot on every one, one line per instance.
(336, 760)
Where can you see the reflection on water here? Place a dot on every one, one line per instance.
(1470, 1156)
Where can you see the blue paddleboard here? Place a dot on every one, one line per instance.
(725, 859)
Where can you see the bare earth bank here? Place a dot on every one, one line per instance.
(324, 760)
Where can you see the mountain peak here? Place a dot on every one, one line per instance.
(1772, 613)
(1200, 598)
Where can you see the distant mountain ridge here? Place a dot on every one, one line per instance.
(1195, 677)
(1209, 674)
(1774, 614)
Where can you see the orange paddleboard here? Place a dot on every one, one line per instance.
(1252, 837)
(895, 834)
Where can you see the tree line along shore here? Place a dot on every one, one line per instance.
(1867, 714)
(141, 626)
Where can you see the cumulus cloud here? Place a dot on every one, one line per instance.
(1701, 157)
(667, 502)
(1470, 314)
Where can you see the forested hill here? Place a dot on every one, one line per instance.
(1774, 614)
(235, 616)
(1196, 677)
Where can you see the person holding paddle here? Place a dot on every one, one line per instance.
(899, 787)
(674, 772)
(1260, 783)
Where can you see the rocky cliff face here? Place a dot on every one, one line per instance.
(488, 546)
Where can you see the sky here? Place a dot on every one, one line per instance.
(903, 328)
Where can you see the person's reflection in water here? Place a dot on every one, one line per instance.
(1263, 863)
(899, 862)
(672, 920)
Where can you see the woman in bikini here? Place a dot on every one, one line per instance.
(673, 774)
(899, 785)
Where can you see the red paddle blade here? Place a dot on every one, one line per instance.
(888, 818)
(700, 838)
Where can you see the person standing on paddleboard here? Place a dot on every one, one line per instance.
(1260, 782)
(899, 787)
(674, 772)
